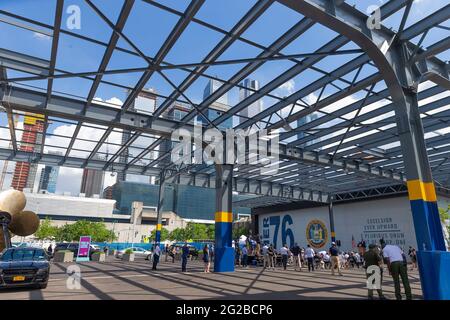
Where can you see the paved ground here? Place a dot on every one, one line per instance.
(134, 280)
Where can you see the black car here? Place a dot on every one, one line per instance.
(74, 248)
(23, 267)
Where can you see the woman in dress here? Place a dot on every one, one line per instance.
(206, 258)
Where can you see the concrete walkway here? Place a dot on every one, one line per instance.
(135, 280)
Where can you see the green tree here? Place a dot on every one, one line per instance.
(46, 231)
(241, 230)
(197, 231)
(96, 230)
(164, 234)
(178, 234)
(211, 231)
(444, 213)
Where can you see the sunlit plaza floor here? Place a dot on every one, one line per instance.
(116, 279)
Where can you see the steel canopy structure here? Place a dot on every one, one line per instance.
(380, 99)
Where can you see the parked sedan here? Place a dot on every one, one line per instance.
(74, 248)
(138, 253)
(23, 267)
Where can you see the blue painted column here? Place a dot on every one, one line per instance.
(331, 216)
(160, 208)
(432, 257)
(224, 252)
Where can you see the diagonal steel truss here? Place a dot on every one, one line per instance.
(334, 153)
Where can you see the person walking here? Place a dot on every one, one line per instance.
(206, 258)
(184, 257)
(309, 255)
(237, 253)
(284, 251)
(265, 253)
(373, 258)
(50, 251)
(166, 253)
(172, 252)
(244, 257)
(413, 255)
(296, 255)
(271, 253)
(334, 256)
(156, 254)
(396, 263)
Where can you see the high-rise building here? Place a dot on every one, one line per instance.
(49, 177)
(176, 111)
(218, 107)
(25, 172)
(145, 102)
(301, 122)
(256, 107)
(92, 181)
(107, 193)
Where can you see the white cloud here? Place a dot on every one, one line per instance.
(288, 86)
(41, 36)
(113, 102)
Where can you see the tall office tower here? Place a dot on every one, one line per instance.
(25, 172)
(145, 102)
(49, 176)
(256, 107)
(218, 107)
(301, 122)
(176, 111)
(92, 181)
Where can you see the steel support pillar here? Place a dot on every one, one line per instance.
(392, 57)
(224, 252)
(433, 259)
(331, 217)
(160, 208)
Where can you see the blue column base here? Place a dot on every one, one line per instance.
(434, 267)
(224, 259)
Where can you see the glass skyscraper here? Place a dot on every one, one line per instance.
(49, 177)
(301, 122)
(189, 202)
(218, 107)
(256, 107)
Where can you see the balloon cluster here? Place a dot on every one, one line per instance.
(23, 223)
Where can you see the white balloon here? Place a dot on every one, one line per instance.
(12, 201)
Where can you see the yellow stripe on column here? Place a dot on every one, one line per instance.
(224, 216)
(159, 227)
(418, 190)
(333, 234)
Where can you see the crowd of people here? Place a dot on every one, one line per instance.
(251, 252)
(372, 259)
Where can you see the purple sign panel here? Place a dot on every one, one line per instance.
(83, 248)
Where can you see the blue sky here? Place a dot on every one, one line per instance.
(148, 27)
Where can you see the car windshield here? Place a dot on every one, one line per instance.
(23, 254)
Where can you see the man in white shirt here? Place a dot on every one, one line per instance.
(265, 252)
(284, 251)
(309, 255)
(397, 267)
(156, 253)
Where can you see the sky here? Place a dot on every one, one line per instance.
(148, 27)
